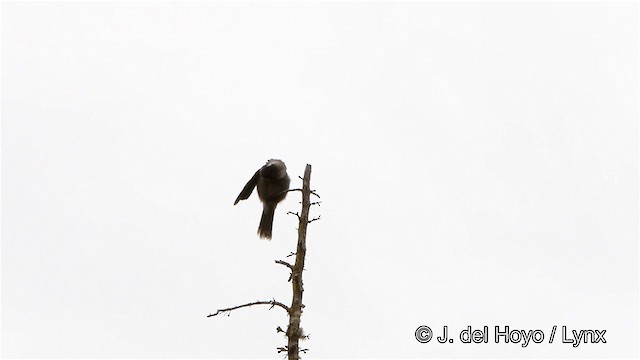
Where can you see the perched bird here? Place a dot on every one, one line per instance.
(273, 183)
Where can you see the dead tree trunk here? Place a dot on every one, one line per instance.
(294, 332)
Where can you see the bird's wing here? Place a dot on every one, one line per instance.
(248, 189)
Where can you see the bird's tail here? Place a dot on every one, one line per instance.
(266, 221)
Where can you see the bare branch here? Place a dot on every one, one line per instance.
(315, 219)
(313, 192)
(293, 213)
(281, 262)
(291, 254)
(286, 191)
(271, 302)
(316, 203)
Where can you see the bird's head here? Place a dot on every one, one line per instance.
(274, 169)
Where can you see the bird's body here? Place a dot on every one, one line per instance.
(272, 182)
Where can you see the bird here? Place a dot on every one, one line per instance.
(273, 182)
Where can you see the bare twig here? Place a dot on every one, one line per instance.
(271, 302)
(286, 191)
(293, 213)
(315, 219)
(281, 262)
(312, 192)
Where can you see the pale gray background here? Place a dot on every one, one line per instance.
(478, 164)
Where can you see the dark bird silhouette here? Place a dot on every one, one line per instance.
(273, 183)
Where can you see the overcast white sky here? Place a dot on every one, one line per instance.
(478, 165)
